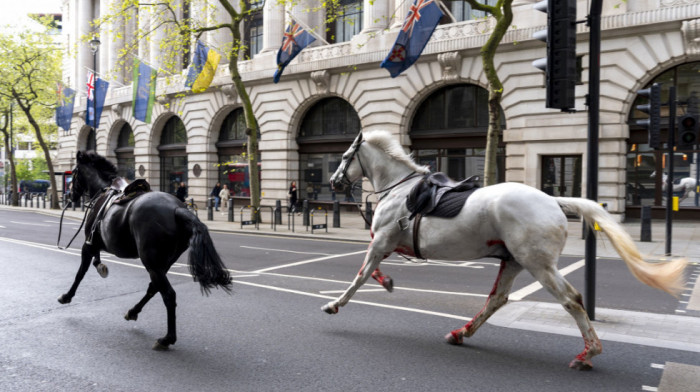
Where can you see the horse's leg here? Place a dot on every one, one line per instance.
(497, 298)
(101, 268)
(133, 313)
(162, 284)
(384, 280)
(374, 256)
(572, 301)
(85, 256)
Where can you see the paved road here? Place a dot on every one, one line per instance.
(271, 334)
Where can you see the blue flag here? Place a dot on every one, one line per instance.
(422, 18)
(295, 39)
(97, 92)
(144, 91)
(64, 110)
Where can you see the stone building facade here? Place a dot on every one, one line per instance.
(436, 108)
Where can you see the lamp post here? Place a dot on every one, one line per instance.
(94, 47)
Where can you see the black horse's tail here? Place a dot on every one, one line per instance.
(205, 264)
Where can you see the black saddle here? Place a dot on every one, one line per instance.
(133, 190)
(438, 195)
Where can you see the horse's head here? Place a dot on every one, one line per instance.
(91, 174)
(350, 169)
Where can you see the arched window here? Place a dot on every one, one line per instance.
(642, 161)
(448, 132)
(125, 153)
(326, 131)
(173, 155)
(91, 141)
(233, 163)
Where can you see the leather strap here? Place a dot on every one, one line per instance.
(416, 241)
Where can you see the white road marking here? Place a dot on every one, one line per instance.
(308, 261)
(3, 227)
(648, 388)
(285, 251)
(531, 288)
(342, 291)
(30, 224)
(65, 223)
(658, 365)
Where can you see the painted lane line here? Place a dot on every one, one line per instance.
(359, 291)
(531, 288)
(308, 261)
(649, 389)
(2, 227)
(30, 224)
(658, 366)
(285, 251)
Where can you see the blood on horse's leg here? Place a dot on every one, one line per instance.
(384, 280)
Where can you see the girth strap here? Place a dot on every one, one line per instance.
(416, 240)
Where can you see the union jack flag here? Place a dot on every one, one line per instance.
(422, 18)
(295, 39)
(91, 85)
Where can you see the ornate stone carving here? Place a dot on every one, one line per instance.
(230, 91)
(691, 34)
(451, 64)
(322, 80)
(118, 109)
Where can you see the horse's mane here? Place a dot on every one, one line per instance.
(104, 168)
(388, 143)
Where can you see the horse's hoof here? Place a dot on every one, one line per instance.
(64, 299)
(102, 270)
(388, 284)
(330, 309)
(453, 339)
(131, 317)
(158, 346)
(581, 365)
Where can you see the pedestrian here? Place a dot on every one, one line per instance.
(224, 195)
(293, 195)
(215, 194)
(181, 192)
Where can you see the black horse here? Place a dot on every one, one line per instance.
(155, 227)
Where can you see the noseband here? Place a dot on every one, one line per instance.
(345, 180)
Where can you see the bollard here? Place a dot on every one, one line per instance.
(306, 213)
(31, 201)
(368, 214)
(336, 213)
(210, 209)
(278, 212)
(646, 224)
(43, 201)
(230, 209)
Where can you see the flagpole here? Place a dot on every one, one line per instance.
(307, 28)
(151, 65)
(101, 76)
(447, 11)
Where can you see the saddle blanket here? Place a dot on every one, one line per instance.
(439, 196)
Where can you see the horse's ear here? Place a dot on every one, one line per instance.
(358, 139)
(79, 156)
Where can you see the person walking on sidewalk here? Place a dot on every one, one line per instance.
(293, 195)
(215, 194)
(181, 192)
(224, 195)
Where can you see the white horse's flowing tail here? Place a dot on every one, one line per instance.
(663, 276)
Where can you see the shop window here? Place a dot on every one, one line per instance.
(561, 175)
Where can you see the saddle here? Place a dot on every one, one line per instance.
(437, 195)
(119, 192)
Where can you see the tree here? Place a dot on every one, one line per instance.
(502, 12)
(31, 62)
(8, 147)
(178, 24)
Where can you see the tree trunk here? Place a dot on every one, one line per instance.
(13, 174)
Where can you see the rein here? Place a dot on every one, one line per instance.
(60, 224)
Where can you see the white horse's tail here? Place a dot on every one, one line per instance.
(663, 276)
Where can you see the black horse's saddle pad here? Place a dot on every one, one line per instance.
(437, 195)
(133, 190)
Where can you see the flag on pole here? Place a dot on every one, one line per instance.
(64, 109)
(422, 18)
(295, 39)
(96, 94)
(204, 64)
(144, 88)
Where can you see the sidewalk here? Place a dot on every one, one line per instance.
(660, 330)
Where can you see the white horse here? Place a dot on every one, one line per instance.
(685, 185)
(518, 224)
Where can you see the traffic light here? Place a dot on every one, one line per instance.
(653, 108)
(687, 132)
(560, 64)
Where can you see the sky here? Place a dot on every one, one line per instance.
(14, 12)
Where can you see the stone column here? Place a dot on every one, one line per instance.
(273, 26)
(84, 54)
(105, 36)
(375, 15)
(314, 20)
(144, 21)
(221, 39)
(401, 8)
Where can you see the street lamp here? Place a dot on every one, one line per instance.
(94, 47)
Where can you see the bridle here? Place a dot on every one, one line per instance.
(87, 210)
(344, 180)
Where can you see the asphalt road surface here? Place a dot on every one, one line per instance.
(271, 334)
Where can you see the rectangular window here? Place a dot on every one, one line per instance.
(561, 175)
(347, 22)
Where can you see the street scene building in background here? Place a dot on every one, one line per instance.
(437, 108)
